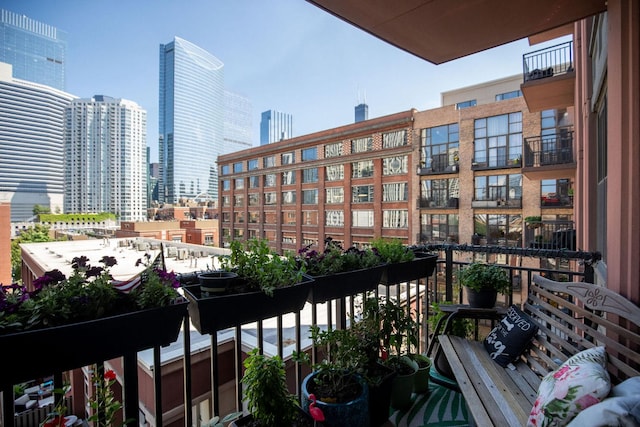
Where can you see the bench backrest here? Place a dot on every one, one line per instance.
(573, 316)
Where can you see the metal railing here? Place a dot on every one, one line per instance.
(548, 62)
(285, 336)
(549, 150)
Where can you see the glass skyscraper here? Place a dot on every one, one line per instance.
(275, 126)
(191, 116)
(105, 169)
(31, 142)
(36, 50)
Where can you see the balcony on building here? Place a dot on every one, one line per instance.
(438, 164)
(438, 203)
(496, 202)
(551, 235)
(549, 77)
(499, 161)
(549, 156)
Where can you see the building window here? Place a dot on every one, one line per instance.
(310, 197)
(497, 139)
(226, 185)
(466, 104)
(508, 95)
(333, 150)
(238, 217)
(239, 183)
(395, 165)
(270, 235)
(252, 164)
(238, 200)
(334, 219)
(254, 217)
(270, 198)
(224, 170)
(396, 192)
(394, 139)
(309, 154)
(362, 145)
(439, 193)
(335, 173)
(269, 161)
(254, 199)
(501, 188)
(310, 217)
(439, 228)
(289, 217)
(395, 218)
(270, 180)
(556, 192)
(288, 178)
(237, 167)
(504, 230)
(252, 234)
(238, 233)
(226, 201)
(254, 181)
(288, 197)
(288, 158)
(362, 169)
(208, 239)
(439, 148)
(362, 218)
(226, 216)
(289, 238)
(310, 175)
(334, 195)
(362, 194)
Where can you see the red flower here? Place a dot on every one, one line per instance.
(109, 375)
(56, 421)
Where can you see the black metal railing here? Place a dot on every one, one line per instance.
(551, 235)
(425, 202)
(280, 336)
(547, 150)
(548, 62)
(499, 161)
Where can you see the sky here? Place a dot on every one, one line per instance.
(285, 55)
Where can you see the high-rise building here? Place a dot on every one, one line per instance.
(237, 122)
(361, 112)
(105, 157)
(275, 126)
(191, 134)
(31, 145)
(36, 50)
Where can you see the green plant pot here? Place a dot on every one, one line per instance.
(402, 386)
(421, 380)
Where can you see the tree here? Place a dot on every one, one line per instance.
(37, 233)
(38, 209)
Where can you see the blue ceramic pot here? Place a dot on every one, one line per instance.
(350, 414)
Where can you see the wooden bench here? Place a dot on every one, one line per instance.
(571, 317)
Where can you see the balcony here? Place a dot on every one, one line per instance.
(549, 156)
(551, 235)
(438, 164)
(497, 162)
(427, 203)
(549, 78)
(190, 374)
(496, 203)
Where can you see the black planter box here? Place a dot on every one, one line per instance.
(420, 267)
(305, 420)
(212, 314)
(42, 352)
(332, 286)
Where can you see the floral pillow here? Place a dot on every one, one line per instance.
(578, 383)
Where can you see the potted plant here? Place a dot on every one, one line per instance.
(402, 263)
(89, 306)
(483, 283)
(337, 388)
(337, 272)
(218, 282)
(271, 285)
(399, 332)
(533, 221)
(268, 399)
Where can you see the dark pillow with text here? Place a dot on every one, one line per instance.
(506, 342)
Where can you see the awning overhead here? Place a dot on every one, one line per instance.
(443, 30)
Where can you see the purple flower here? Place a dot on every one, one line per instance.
(50, 278)
(94, 272)
(168, 277)
(108, 261)
(79, 262)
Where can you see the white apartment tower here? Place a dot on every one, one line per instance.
(105, 157)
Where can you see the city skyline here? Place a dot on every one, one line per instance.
(286, 55)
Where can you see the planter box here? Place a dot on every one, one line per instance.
(422, 266)
(212, 314)
(339, 285)
(42, 352)
(305, 420)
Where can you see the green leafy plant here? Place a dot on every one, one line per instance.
(56, 418)
(392, 250)
(217, 422)
(261, 267)
(478, 276)
(104, 405)
(266, 393)
(336, 260)
(460, 327)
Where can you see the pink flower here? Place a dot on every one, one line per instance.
(586, 401)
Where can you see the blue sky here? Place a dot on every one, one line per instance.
(285, 55)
